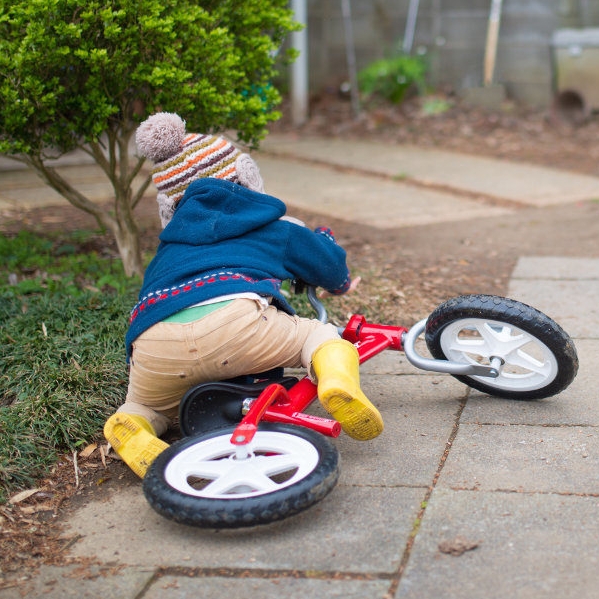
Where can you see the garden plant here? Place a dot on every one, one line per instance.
(82, 74)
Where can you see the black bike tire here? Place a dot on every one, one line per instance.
(249, 511)
(515, 313)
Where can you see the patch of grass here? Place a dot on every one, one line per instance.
(63, 316)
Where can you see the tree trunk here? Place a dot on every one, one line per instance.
(127, 241)
(121, 222)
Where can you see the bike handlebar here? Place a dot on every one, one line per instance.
(321, 312)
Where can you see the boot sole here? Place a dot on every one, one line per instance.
(137, 447)
(359, 420)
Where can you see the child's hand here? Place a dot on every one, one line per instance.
(352, 287)
(354, 283)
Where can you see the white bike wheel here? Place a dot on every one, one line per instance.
(212, 469)
(526, 362)
(202, 481)
(535, 357)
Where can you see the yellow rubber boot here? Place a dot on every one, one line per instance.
(134, 439)
(337, 368)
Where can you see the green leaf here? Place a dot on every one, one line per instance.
(72, 69)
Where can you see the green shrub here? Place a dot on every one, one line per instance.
(84, 73)
(391, 78)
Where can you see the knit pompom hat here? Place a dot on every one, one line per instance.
(180, 158)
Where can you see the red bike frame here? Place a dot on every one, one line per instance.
(277, 404)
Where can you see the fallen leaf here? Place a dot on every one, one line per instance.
(33, 509)
(458, 546)
(103, 452)
(85, 453)
(23, 495)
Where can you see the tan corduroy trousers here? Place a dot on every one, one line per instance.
(243, 337)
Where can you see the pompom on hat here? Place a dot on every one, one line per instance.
(180, 158)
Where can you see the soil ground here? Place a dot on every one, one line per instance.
(406, 271)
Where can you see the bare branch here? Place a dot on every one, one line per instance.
(138, 195)
(97, 153)
(57, 182)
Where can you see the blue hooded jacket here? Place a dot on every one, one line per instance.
(225, 239)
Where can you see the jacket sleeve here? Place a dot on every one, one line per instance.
(316, 258)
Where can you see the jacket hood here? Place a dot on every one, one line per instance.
(214, 210)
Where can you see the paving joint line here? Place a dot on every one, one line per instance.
(268, 574)
(521, 492)
(482, 198)
(424, 503)
(538, 424)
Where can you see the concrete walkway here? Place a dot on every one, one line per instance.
(463, 497)
(377, 184)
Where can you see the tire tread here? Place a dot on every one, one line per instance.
(242, 512)
(525, 317)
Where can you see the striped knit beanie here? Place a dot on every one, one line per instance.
(180, 158)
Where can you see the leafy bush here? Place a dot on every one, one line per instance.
(391, 78)
(84, 73)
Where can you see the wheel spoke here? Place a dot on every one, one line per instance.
(476, 347)
(240, 479)
(502, 341)
(526, 360)
(210, 468)
(493, 341)
(254, 473)
(276, 464)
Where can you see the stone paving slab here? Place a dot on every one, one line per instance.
(388, 204)
(74, 158)
(22, 188)
(419, 414)
(171, 587)
(517, 182)
(576, 405)
(318, 188)
(566, 289)
(354, 529)
(572, 304)
(387, 478)
(530, 546)
(539, 459)
(558, 268)
(81, 581)
(400, 457)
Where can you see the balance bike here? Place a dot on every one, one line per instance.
(250, 454)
